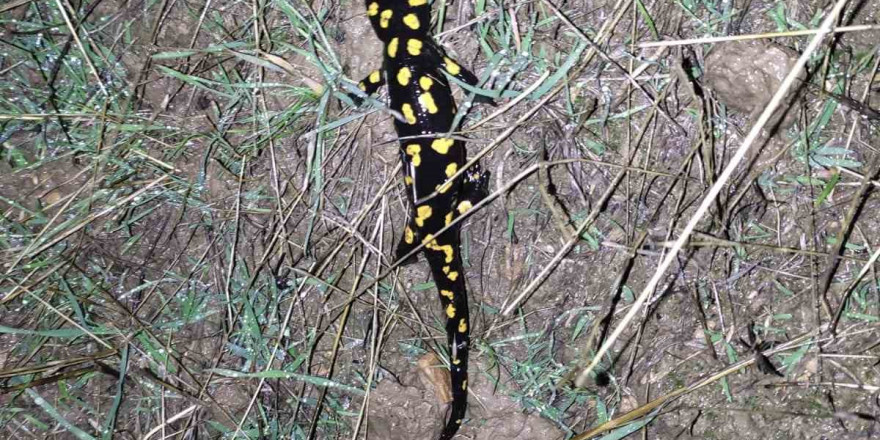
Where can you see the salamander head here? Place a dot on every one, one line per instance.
(399, 18)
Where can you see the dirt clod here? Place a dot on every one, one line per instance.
(745, 74)
(434, 377)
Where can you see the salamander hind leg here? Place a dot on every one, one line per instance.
(474, 187)
(369, 85)
(407, 243)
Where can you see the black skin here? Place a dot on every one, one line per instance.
(415, 68)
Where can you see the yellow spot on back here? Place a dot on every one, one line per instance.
(442, 145)
(451, 169)
(429, 241)
(451, 67)
(464, 206)
(426, 83)
(403, 76)
(407, 180)
(446, 249)
(384, 17)
(450, 311)
(392, 47)
(414, 150)
(452, 275)
(362, 86)
(447, 293)
(415, 3)
(375, 76)
(411, 20)
(444, 187)
(464, 386)
(445, 269)
(414, 46)
(423, 213)
(408, 236)
(462, 326)
(373, 9)
(427, 102)
(449, 220)
(456, 362)
(408, 114)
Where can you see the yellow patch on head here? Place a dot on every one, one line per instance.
(462, 326)
(450, 311)
(375, 76)
(452, 275)
(451, 169)
(447, 293)
(408, 235)
(403, 76)
(414, 46)
(414, 150)
(411, 20)
(464, 206)
(415, 3)
(407, 180)
(423, 213)
(408, 114)
(362, 86)
(451, 67)
(427, 102)
(392, 47)
(384, 17)
(448, 219)
(373, 9)
(442, 145)
(426, 83)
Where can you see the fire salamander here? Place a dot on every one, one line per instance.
(415, 68)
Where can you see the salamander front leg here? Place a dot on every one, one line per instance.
(369, 85)
(466, 77)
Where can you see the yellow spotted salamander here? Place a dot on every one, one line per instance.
(415, 68)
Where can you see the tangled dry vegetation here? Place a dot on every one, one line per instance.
(196, 223)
